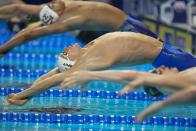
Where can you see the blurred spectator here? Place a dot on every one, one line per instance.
(180, 11)
(174, 11)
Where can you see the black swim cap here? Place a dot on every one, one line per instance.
(151, 90)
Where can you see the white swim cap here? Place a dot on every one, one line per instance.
(48, 16)
(64, 63)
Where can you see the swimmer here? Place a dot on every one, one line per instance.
(62, 16)
(181, 84)
(118, 49)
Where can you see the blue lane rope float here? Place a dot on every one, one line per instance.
(86, 93)
(9, 70)
(90, 119)
(81, 119)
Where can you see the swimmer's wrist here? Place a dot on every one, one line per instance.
(17, 96)
(93, 75)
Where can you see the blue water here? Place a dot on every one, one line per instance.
(97, 106)
(19, 68)
(17, 126)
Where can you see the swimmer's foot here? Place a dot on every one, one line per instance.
(12, 100)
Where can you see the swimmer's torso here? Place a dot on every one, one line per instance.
(96, 14)
(126, 47)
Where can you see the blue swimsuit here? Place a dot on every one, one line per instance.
(170, 56)
(135, 25)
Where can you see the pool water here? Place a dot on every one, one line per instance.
(98, 107)
(95, 106)
(17, 126)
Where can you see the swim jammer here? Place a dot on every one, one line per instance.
(171, 56)
(135, 25)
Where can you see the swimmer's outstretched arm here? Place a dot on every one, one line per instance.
(171, 82)
(38, 87)
(47, 75)
(186, 96)
(12, 98)
(80, 77)
(29, 34)
(14, 9)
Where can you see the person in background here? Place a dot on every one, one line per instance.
(180, 11)
(62, 16)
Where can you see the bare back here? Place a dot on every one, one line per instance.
(96, 14)
(125, 48)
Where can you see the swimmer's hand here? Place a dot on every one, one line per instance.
(13, 100)
(166, 70)
(135, 84)
(175, 99)
(81, 78)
